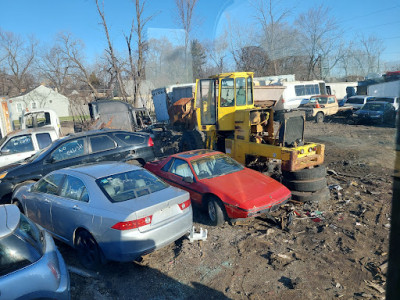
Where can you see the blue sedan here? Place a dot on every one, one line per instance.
(375, 112)
(30, 265)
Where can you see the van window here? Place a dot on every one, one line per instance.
(308, 89)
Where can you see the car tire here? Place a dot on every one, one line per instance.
(216, 211)
(320, 195)
(306, 174)
(192, 140)
(89, 253)
(311, 185)
(319, 118)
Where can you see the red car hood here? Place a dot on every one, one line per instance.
(249, 189)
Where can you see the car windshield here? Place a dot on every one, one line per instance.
(129, 185)
(215, 165)
(320, 100)
(373, 106)
(21, 248)
(356, 100)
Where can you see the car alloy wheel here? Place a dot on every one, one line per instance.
(89, 253)
(216, 212)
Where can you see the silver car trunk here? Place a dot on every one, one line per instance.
(161, 207)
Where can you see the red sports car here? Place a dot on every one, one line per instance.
(223, 186)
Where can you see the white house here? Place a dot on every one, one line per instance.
(40, 97)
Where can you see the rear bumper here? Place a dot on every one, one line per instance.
(129, 245)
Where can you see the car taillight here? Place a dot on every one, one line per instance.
(133, 224)
(150, 142)
(54, 270)
(184, 205)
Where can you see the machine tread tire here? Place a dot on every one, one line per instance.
(311, 185)
(320, 195)
(306, 174)
(191, 140)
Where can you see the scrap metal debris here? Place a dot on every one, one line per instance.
(198, 236)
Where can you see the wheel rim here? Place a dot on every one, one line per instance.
(211, 211)
(87, 249)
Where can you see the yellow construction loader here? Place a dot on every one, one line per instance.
(227, 120)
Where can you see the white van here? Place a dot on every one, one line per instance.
(299, 92)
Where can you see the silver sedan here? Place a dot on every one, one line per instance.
(108, 211)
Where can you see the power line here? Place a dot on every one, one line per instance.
(369, 14)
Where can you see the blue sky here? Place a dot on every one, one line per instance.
(45, 18)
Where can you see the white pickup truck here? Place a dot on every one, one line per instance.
(24, 143)
(41, 118)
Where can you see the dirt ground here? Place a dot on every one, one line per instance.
(332, 249)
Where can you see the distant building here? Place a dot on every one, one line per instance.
(40, 97)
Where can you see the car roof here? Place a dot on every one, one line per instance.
(9, 219)
(99, 170)
(377, 102)
(194, 154)
(30, 130)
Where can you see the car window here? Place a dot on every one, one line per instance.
(74, 188)
(214, 166)
(49, 184)
(356, 100)
(240, 91)
(101, 143)
(21, 248)
(19, 144)
(181, 168)
(167, 166)
(69, 150)
(331, 100)
(129, 185)
(43, 139)
(130, 138)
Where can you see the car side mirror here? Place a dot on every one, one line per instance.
(5, 152)
(188, 179)
(49, 160)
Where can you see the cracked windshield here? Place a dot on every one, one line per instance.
(230, 149)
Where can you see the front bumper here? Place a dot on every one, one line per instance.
(240, 213)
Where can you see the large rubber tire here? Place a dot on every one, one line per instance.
(89, 253)
(216, 211)
(319, 118)
(192, 140)
(306, 174)
(311, 185)
(320, 195)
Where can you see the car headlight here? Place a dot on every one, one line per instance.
(2, 175)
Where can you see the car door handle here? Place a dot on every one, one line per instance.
(76, 207)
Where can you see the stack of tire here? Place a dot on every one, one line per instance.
(307, 185)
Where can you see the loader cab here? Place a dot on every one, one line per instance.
(218, 97)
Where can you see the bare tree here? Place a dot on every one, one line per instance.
(318, 34)
(271, 15)
(54, 66)
(372, 47)
(137, 66)
(185, 11)
(18, 57)
(217, 51)
(113, 58)
(73, 52)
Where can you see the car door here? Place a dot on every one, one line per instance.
(175, 173)
(39, 201)
(70, 153)
(71, 209)
(17, 148)
(101, 148)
